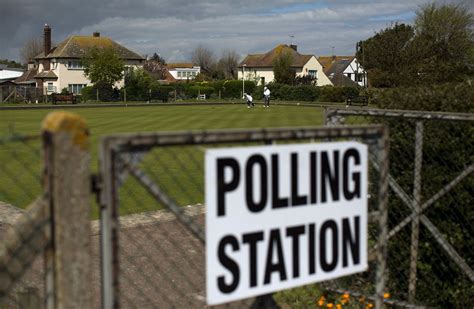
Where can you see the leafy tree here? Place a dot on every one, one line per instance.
(444, 43)
(282, 70)
(103, 66)
(438, 49)
(385, 55)
(11, 63)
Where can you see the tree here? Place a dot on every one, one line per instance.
(228, 63)
(438, 49)
(203, 57)
(156, 66)
(444, 43)
(32, 48)
(385, 55)
(11, 63)
(103, 66)
(282, 70)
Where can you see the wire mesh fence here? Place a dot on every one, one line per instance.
(430, 206)
(154, 190)
(24, 225)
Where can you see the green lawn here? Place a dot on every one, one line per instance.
(178, 170)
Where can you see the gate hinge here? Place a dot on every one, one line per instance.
(96, 184)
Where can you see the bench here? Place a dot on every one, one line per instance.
(201, 97)
(63, 98)
(357, 100)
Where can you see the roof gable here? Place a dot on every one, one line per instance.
(266, 60)
(335, 64)
(77, 46)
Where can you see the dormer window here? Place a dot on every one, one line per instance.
(74, 65)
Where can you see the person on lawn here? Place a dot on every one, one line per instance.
(249, 99)
(266, 97)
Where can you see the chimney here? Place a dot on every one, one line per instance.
(294, 47)
(47, 39)
(47, 45)
(96, 34)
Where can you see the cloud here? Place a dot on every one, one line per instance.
(175, 27)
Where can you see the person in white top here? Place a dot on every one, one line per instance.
(266, 97)
(249, 99)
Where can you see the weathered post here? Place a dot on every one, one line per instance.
(67, 183)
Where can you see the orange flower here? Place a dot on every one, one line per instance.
(330, 305)
(345, 296)
(338, 306)
(321, 301)
(369, 305)
(386, 295)
(344, 301)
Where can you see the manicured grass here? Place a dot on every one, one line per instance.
(178, 169)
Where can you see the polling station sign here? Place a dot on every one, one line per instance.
(281, 216)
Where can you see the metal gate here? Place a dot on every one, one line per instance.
(152, 224)
(431, 181)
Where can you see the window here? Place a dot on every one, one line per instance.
(313, 73)
(76, 88)
(50, 87)
(74, 65)
(179, 74)
(349, 75)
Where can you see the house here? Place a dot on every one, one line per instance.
(182, 71)
(343, 70)
(9, 74)
(60, 67)
(259, 67)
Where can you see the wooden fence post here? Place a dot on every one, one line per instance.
(67, 182)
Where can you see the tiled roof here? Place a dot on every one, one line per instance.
(266, 60)
(46, 74)
(77, 46)
(180, 65)
(342, 80)
(28, 76)
(328, 63)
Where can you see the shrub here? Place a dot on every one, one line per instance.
(233, 88)
(447, 150)
(106, 93)
(337, 94)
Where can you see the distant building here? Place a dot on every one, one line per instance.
(60, 67)
(260, 66)
(343, 70)
(9, 74)
(182, 71)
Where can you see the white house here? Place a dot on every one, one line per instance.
(343, 70)
(60, 67)
(183, 71)
(259, 67)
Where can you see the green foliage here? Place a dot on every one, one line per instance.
(103, 66)
(12, 64)
(106, 93)
(385, 55)
(282, 70)
(194, 91)
(337, 94)
(444, 43)
(438, 49)
(138, 84)
(233, 88)
(447, 150)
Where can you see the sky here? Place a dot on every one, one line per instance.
(174, 28)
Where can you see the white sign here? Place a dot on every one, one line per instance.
(282, 216)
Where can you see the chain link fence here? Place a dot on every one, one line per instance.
(430, 254)
(153, 213)
(23, 223)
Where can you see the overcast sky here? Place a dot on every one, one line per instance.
(173, 28)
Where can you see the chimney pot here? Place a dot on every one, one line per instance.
(96, 34)
(294, 47)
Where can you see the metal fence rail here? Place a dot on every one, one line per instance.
(431, 182)
(152, 211)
